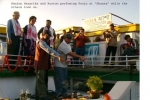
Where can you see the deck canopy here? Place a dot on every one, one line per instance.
(121, 29)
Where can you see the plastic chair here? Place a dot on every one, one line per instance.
(3, 46)
(92, 53)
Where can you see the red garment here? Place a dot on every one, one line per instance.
(80, 41)
(41, 58)
(131, 43)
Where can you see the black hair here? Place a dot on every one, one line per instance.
(126, 36)
(32, 17)
(82, 29)
(49, 20)
(112, 25)
(46, 32)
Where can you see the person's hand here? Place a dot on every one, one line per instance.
(107, 40)
(125, 46)
(9, 42)
(60, 59)
(25, 44)
(81, 34)
(82, 58)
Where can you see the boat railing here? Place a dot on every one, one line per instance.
(26, 62)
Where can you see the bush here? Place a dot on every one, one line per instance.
(94, 83)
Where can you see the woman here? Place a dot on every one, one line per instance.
(29, 38)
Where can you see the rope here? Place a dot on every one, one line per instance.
(26, 70)
(19, 62)
(7, 61)
(112, 72)
(121, 18)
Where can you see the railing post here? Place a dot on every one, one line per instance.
(83, 64)
(71, 84)
(126, 60)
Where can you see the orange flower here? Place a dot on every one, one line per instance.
(106, 97)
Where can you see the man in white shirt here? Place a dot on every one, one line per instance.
(60, 68)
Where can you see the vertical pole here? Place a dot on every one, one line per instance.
(126, 60)
(71, 84)
(83, 65)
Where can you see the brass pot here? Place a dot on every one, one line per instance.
(94, 95)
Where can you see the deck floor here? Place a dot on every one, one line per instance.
(101, 69)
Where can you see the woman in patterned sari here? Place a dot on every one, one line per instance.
(29, 38)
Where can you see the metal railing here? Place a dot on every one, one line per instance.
(99, 61)
(92, 61)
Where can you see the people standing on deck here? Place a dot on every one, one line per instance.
(51, 32)
(64, 49)
(29, 38)
(62, 37)
(80, 45)
(13, 37)
(111, 39)
(57, 41)
(41, 66)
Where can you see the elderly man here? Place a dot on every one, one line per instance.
(64, 49)
(13, 37)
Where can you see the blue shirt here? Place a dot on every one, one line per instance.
(46, 48)
(10, 29)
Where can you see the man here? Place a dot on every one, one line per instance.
(57, 41)
(131, 48)
(80, 44)
(72, 42)
(62, 37)
(111, 39)
(64, 49)
(13, 37)
(41, 65)
(131, 42)
(51, 32)
(70, 31)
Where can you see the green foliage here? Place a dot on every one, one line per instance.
(94, 83)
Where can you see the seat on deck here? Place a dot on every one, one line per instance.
(92, 54)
